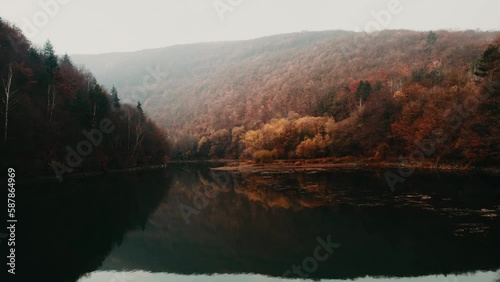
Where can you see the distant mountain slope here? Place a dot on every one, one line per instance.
(218, 85)
(198, 90)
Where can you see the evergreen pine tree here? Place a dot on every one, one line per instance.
(432, 37)
(114, 96)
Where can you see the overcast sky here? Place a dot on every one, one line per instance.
(101, 26)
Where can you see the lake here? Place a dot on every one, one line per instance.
(189, 223)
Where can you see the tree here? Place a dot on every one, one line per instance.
(488, 60)
(139, 128)
(203, 148)
(313, 148)
(221, 141)
(100, 103)
(139, 107)
(89, 79)
(139, 136)
(115, 99)
(263, 156)
(51, 61)
(431, 38)
(325, 103)
(66, 61)
(140, 111)
(51, 66)
(481, 139)
(237, 135)
(363, 90)
(8, 100)
(418, 75)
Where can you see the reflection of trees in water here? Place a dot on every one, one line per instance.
(217, 181)
(266, 223)
(72, 232)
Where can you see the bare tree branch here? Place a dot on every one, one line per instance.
(8, 101)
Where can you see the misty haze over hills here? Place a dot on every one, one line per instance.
(233, 140)
(323, 59)
(197, 90)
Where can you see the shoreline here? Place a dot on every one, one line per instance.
(280, 166)
(316, 165)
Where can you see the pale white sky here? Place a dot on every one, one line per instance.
(100, 26)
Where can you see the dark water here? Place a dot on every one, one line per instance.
(190, 224)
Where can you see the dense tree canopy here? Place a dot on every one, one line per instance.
(382, 90)
(51, 109)
(307, 95)
(384, 115)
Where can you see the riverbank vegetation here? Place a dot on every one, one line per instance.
(441, 106)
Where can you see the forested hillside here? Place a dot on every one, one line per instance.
(320, 94)
(57, 119)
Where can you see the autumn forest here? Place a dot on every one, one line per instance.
(333, 94)
(426, 97)
(58, 118)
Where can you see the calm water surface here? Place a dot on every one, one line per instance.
(188, 223)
